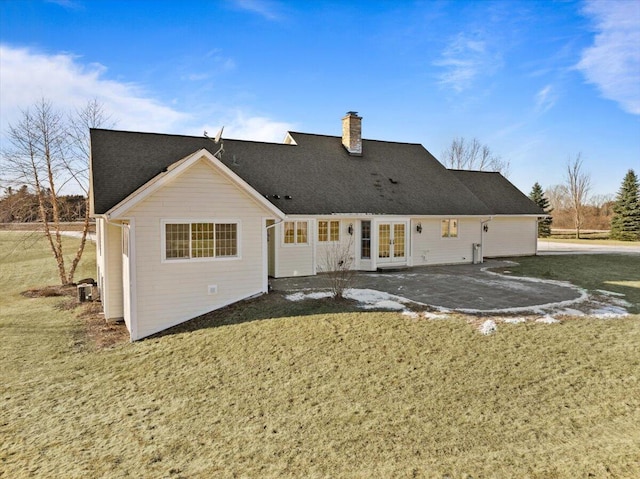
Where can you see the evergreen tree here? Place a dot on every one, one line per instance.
(537, 196)
(625, 224)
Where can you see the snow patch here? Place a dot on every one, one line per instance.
(609, 293)
(570, 312)
(411, 314)
(372, 299)
(547, 319)
(609, 312)
(516, 320)
(435, 316)
(300, 296)
(488, 327)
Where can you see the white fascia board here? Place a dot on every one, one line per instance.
(176, 169)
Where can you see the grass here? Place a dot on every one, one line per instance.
(258, 393)
(589, 241)
(619, 273)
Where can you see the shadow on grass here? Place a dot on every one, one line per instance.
(268, 306)
(618, 273)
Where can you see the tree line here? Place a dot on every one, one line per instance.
(567, 206)
(22, 206)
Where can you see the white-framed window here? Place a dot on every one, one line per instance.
(449, 228)
(296, 232)
(328, 230)
(365, 240)
(200, 240)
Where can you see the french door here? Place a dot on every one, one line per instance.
(392, 242)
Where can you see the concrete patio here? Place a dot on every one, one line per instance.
(459, 287)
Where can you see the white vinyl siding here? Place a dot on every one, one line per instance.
(511, 236)
(293, 259)
(170, 292)
(110, 266)
(429, 247)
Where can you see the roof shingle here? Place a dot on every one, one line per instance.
(314, 176)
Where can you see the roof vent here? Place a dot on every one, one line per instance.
(352, 133)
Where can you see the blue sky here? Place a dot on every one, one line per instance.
(539, 82)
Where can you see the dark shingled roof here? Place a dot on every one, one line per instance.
(497, 193)
(317, 173)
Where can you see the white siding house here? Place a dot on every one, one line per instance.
(155, 291)
(187, 225)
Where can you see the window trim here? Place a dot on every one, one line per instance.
(363, 239)
(330, 224)
(295, 233)
(448, 235)
(190, 221)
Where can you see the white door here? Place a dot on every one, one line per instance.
(126, 275)
(392, 243)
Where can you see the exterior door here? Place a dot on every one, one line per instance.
(392, 244)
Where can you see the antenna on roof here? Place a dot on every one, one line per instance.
(218, 136)
(217, 139)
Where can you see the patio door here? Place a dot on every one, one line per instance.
(392, 243)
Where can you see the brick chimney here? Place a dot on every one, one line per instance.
(352, 133)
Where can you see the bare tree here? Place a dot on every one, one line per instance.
(558, 196)
(473, 155)
(338, 267)
(578, 184)
(77, 165)
(601, 201)
(46, 155)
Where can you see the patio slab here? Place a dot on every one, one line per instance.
(465, 287)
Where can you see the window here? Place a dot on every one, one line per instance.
(328, 231)
(449, 228)
(200, 240)
(365, 243)
(295, 232)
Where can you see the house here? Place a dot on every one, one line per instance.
(186, 225)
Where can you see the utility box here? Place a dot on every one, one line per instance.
(87, 292)
(477, 253)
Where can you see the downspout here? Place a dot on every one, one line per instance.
(274, 224)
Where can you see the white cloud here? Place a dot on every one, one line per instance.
(265, 8)
(27, 76)
(612, 63)
(545, 99)
(463, 60)
(242, 126)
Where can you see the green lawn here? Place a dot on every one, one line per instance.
(589, 241)
(619, 273)
(326, 395)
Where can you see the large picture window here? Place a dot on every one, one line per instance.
(200, 240)
(296, 232)
(449, 228)
(328, 231)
